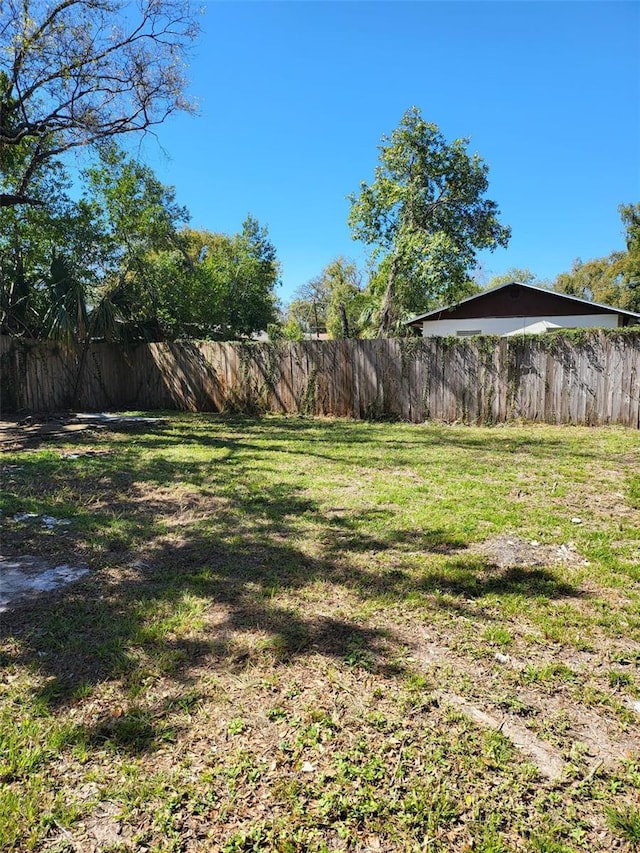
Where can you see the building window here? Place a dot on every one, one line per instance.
(467, 333)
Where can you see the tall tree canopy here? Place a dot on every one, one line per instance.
(333, 302)
(27, 237)
(630, 215)
(117, 264)
(216, 286)
(427, 214)
(133, 215)
(77, 72)
(521, 274)
(614, 279)
(72, 259)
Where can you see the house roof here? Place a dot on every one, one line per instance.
(515, 299)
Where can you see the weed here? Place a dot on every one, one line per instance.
(497, 750)
(498, 636)
(236, 726)
(625, 822)
(276, 714)
(358, 656)
(618, 679)
(551, 674)
(633, 491)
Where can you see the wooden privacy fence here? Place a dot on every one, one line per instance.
(593, 378)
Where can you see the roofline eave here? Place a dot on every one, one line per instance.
(431, 314)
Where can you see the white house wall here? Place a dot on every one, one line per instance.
(504, 325)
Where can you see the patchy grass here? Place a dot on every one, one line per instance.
(316, 635)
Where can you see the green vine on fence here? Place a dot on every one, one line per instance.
(410, 350)
(241, 398)
(272, 372)
(480, 378)
(307, 403)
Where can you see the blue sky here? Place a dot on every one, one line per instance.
(294, 98)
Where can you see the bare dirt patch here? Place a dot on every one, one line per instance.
(508, 552)
(599, 738)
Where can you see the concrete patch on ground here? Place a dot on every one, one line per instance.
(17, 434)
(106, 419)
(47, 521)
(24, 577)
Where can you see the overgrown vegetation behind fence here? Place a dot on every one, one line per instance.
(589, 378)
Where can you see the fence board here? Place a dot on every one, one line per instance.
(593, 379)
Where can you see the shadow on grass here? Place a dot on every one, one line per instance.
(319, 435)
(221, 574)
(461, 580)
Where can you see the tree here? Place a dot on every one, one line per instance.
(29, 238)
(77, 72)
(73, 270)
(598, 280)
(519, 274)
(305, 317)
(331, 302)
(133, 215)
(226, 284)
(426, 214)
(630, 215)
(308, 309)
(347, 299)
(614, 279)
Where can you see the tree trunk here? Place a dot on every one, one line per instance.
(388, 312)
(343, 320)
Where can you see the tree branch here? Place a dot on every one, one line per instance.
(11, 200)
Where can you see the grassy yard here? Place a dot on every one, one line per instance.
(317, 635)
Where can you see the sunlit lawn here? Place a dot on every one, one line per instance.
(292, 628)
